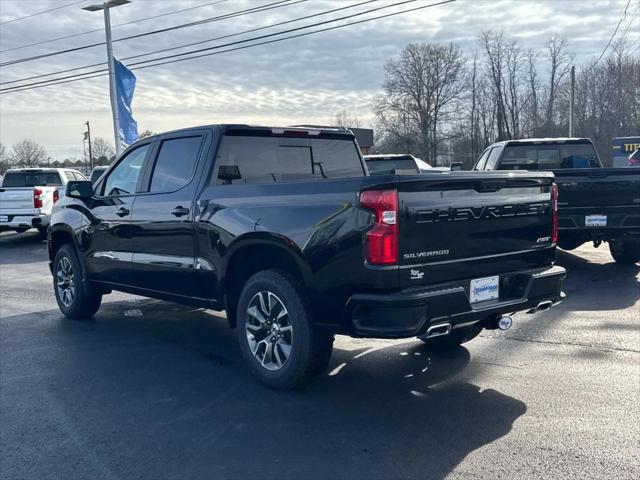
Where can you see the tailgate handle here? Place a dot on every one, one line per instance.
(488, 186)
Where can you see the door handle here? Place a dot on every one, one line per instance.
(180, 211)
(122, 212)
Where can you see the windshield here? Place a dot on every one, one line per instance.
(549, 157)
(96, 174)
(31, 179)
(391, 166)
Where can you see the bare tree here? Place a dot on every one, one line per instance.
(421, 92)
(345, 119)
(494, 47)
(532, 100)
(559, 66)
(102, 151)
(4, 158)
(147, 133)
(27, 153)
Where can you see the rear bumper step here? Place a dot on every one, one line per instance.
(418, 312)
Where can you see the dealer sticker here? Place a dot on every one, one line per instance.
(483, 289)
(595, 221)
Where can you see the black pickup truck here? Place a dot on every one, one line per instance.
(594, 203)
(284, 229)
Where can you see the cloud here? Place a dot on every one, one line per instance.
(303, 80)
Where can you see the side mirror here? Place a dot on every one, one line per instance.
(82, 189)
(456, 166)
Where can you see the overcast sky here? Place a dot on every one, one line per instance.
(305, 80)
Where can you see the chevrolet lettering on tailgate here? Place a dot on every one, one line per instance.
(480, 213)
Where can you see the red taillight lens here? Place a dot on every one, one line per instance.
(56, 196)
(37, 201)
(554, 200)
(382, 239)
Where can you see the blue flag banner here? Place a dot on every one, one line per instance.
(125, 86)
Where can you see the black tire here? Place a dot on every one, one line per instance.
(82, 304)
(309, 349)
(454, 339)
(21, 230)
(625, 253)
(42, 232)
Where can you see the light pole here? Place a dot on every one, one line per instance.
(572, 100)
(106, 6)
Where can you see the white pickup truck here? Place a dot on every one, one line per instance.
(27, 196)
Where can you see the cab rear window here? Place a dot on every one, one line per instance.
(246, 159)
(32, 179)
(548, 157)
(391, 166)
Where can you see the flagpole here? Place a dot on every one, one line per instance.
(106, 6)
(112, 82)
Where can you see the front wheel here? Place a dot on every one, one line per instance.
(276, 336)
(625, 252)
(73, 299)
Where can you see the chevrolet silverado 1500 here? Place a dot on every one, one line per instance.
(594, 203)
(283, 229)
(27, 196)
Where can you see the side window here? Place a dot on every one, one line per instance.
(123, 179)
(70, 176)
(483, 159)
(80, 176)
(493, 158)
(175, 165)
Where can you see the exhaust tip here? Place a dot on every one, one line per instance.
(438, 330)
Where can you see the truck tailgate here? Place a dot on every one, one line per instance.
(17, 201)
(446, 225)
(581, 187)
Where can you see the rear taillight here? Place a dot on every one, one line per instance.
(56, 196)
(37, 200)
(554, 201)
(382, 239)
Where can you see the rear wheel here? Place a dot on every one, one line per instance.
(277, 340)
(73, 298)
(42, 232)
(453, 339)
(625, 252)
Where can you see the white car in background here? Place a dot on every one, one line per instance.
(398, 164)
(27, 196)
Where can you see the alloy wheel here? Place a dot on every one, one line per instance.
(65, 282)
(269, 331)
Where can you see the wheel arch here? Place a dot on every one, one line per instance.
(59, 235)
(254, 253)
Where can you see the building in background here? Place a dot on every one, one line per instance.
(364, 136)
(622, 148)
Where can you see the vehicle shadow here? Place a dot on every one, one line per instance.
(618, 285)
(153, 390)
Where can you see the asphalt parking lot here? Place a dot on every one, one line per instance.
(153, 390)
